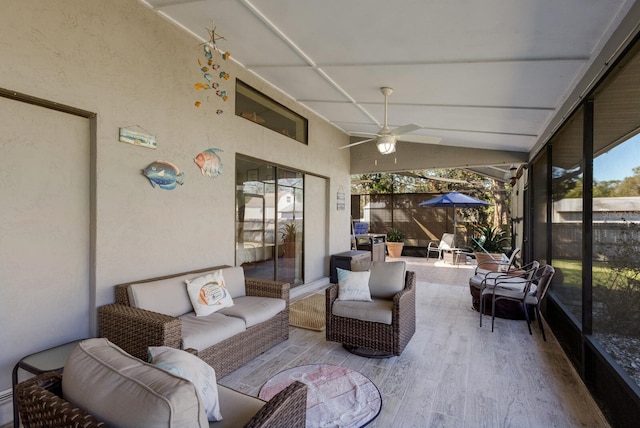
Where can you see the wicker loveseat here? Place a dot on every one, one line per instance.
(362, 324)
(134, 329)
(103, 386)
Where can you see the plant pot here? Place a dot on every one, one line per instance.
(489, 261)
(289, 249)
(395, 249)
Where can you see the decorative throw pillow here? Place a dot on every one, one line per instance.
(193, 369)
(353, 285)
(208, 293)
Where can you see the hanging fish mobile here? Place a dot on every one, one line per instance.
(209, 66)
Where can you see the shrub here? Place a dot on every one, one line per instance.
(617, 298)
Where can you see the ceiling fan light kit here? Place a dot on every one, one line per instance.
(386, 138)
(386, 144)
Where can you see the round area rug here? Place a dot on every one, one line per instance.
(336, 396)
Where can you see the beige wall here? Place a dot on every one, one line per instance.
(119, 59)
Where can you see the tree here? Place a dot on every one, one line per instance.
(630, 186)
(442, 181)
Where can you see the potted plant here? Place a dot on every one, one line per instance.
(395, 242)
(288, 233)
(492, 240)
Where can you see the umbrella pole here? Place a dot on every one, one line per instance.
(455, 228)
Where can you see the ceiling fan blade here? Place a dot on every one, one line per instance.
(405, 129)
(362, 134)
(357, 143)
(424, 139)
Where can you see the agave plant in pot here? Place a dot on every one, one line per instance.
(490, 245)
(288, 233)
(395, 242)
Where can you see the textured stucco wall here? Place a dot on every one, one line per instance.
(119, 59)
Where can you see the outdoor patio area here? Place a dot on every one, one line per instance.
(453, 373)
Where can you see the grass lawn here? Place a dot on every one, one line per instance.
(572, 272)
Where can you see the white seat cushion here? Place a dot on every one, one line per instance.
(238, 408)
(202, 332)
(380, 310)
(253, 310)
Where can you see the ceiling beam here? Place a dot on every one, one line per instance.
(365, 158)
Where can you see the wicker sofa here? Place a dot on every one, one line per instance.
(134, 329)
(142, 394)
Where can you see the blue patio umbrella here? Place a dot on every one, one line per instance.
(454, 200)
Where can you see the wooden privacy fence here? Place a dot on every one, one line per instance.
(419, 224)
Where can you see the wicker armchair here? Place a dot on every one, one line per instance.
(41, 405)
(389, 339)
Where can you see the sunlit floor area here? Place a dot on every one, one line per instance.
(453, 373)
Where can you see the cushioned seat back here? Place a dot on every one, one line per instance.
(166, 296)
(123, 391)
(169, 295)
(234, 281)
(387, 279)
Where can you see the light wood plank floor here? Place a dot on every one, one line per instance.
(453, 373)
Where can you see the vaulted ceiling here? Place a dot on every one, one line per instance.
(496, 75)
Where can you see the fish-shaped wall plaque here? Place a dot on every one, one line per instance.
(165, 174)
(209, 162)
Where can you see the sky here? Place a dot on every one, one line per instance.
(618, 162)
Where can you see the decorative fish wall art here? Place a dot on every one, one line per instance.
(209, 162)
(164, 174)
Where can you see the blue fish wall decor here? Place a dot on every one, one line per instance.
(165, 174)
(209, 162)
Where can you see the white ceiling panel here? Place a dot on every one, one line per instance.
(302, 83)
(245, 36)
(482, 74)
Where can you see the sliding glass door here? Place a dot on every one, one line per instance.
(269, 221)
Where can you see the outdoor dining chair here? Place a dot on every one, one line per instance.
(531, 294)
(515, 280)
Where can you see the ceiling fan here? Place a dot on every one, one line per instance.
(386, 138)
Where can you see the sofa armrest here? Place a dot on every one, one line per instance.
(331, 294)
(135, 329)
(41, 405)
(267, 288)
(288, 408)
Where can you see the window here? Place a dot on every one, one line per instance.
(566, 213)
(257, 107)
(616, 215)
(269, 221)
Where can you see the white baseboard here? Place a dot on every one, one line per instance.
(309, 288)
(6, 407)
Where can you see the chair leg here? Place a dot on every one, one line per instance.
(544, 337)
(526, 315)
(493, 311)
(480, 307)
